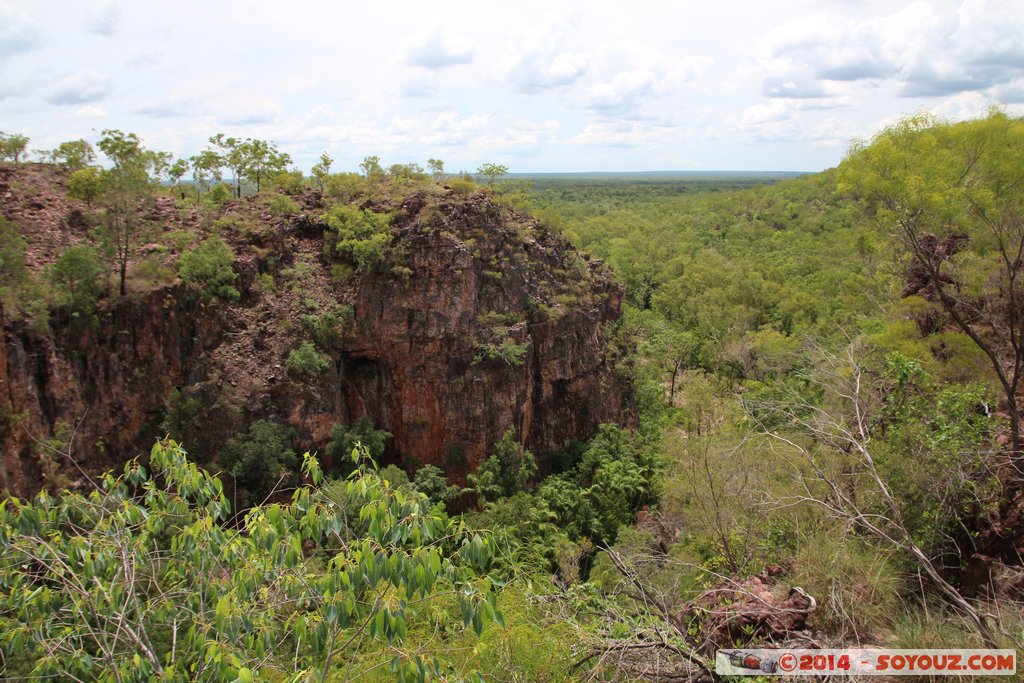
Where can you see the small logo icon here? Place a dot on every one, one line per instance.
(746, 660)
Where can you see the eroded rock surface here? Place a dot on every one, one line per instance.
(478, 320)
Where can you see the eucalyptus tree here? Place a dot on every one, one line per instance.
(127, 189)
(206, 169)
(73, 155)
(12, 146)
(321, 170)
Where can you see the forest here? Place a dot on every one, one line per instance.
(803, 427)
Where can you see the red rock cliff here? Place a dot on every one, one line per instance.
(480, 320)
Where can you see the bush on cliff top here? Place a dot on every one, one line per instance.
(209, 267)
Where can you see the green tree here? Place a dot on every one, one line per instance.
(345, 437)
(210, 266)
(263, 160)
(141, 578)
(371, 168)
(126, 191)
(76, 274)
(232, 154)
(411, 171)
(492, 171)
(158, 164)
(836, 435)
(508, 470)
(361, 234)
(436, 167)
(12, 146)
(952, 193)
(18, 293)
(431, 482)
(250, 159)
(86, 184)
(206, 170)
(176, 172)
(123, 149)
(261, 460)
(322, 170)
(73, 155)
(306, 361)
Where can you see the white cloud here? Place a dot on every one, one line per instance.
(925, 51)
(438, 51)
(537, 85)
(623, 79)
(970, 105)
(624, 134)
(90, 111)
(622, 93)
(836, 131)
(244, 110)
(796, 86)
(771, 122)
(420, 87)
(1010, 93)
(104, 18)
(18, 31)
(80, 88)
(540, 69)
(176, 107)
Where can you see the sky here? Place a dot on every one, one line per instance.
(546, 86)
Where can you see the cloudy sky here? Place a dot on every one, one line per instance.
(538, 86)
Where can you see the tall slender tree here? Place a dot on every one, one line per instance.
(127, 189)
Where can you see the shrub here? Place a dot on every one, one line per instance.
(20, 295)
(289, 182)
(183, 412)
(325, 328)
(461, 186)
(431, 482)
(261, 458)
(76, 275)
(506, 350)
(395, 476)
(283, 206)
(346, 187)
(209, 267)
(359, 234)
(218, 194)
(216, 600)
(265, 283)
(151, 271)
(307, 361)
(86, 184)
(507, 471)
(344, 438)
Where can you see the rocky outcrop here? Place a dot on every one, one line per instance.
(737, 610)
(478, 320)
(420, 364)
(95, 395)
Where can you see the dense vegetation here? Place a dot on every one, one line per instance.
(827, 370)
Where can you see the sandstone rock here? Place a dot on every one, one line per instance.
(464, 272)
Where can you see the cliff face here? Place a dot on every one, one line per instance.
(99, 392)
(419, 361)
(480, 319)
